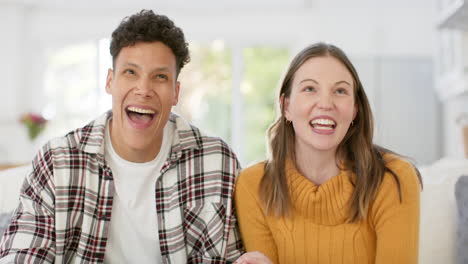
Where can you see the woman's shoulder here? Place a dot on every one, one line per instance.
(403, 170)
(398, 164)
(398, 196)
(252, 175)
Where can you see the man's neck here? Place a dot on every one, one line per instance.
(136, 155)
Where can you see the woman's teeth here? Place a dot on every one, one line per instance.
(323, 123)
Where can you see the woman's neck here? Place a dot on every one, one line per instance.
(317, 166)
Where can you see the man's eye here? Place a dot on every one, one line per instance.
(162, 77)
(129, 71)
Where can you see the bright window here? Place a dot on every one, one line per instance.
(264, 68)
(230, 92)
(205, 95)
(70, 87)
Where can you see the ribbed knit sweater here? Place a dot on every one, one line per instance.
(318, 231)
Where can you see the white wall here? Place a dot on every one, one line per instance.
(372, 31)
(15, 72)
(393, 31)
(452, 133)
(409, 114)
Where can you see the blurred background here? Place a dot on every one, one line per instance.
(412, 57)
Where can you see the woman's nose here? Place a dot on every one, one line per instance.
(325, 101)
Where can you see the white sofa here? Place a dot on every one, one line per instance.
(439, 216)
(10, 184)
(438, 228)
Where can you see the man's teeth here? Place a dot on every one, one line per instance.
(323, 122)
(141, 111)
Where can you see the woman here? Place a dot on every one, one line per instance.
(327, 194)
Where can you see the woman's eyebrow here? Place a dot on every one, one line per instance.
(339, 82)
(309, 80)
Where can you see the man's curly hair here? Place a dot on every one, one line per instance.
(146, 26)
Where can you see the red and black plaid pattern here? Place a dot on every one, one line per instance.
(66, 201)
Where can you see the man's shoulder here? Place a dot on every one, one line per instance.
(88, 138)
(189, 135)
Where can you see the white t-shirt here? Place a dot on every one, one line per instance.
(133, 232)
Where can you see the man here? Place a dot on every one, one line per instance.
(138, 184)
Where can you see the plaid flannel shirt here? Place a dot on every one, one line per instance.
(66, 201)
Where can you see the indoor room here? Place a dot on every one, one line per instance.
(411, 56)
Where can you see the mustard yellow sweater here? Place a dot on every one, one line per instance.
(318, 233)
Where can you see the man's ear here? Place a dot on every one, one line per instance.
(110, 75)
(176, 95)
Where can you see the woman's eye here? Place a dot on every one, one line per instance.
(309, 89)
(341, 91)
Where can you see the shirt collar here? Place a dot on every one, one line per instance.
(90, 138)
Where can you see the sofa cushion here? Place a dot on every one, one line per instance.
(461, 196)
(10, 184)
(4, 221)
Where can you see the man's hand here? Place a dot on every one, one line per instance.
(253, 257)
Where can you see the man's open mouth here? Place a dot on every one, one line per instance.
(140, 115)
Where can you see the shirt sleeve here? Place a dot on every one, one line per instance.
(396, 221)
(235, 246)
(30, 236)
(254, 229)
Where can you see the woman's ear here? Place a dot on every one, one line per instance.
(284, 106)
(355, 111)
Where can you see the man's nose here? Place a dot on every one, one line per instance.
(144, 88)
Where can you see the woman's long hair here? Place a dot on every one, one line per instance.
(356, 149)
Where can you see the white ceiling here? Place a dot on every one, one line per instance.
(99, 4)
(226, 5)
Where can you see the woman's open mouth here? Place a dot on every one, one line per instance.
(323, 126)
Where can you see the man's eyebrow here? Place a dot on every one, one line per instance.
(157, 69)
(133, 64)
(163, 68)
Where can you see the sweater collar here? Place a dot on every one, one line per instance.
(325, 204)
